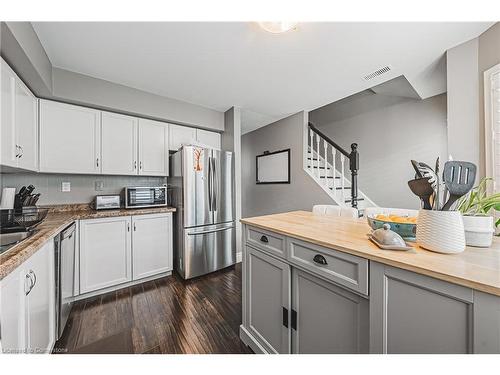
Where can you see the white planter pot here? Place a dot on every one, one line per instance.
(441, 231)
(478, 230)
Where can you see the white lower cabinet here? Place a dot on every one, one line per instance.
(105, 253)
(27, 309)
(268, 301)
(151, 245)
(121, 249)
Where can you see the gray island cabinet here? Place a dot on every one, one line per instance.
(302, 297)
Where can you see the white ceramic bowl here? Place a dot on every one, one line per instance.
(441, 231)
(478, 230)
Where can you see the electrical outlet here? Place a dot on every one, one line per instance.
(99, 185)
(66, 187)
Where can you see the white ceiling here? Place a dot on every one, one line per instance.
(270, 76)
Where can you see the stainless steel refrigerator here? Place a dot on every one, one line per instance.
(203, 193)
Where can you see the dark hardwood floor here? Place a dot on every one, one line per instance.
(168, 315)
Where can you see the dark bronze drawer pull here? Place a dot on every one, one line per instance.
(320, 259)
(264, 239)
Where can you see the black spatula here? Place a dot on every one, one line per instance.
(459, 177)
(422, 189)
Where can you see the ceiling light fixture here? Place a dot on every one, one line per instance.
(278, 27)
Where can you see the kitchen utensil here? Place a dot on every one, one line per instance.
(386, 239)
(459, 177)
(415, 165)
(8, 196)
(437, 201)
(422, 189)
(35, 199)
(405, 230)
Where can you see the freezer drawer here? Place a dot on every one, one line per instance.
(207, 249)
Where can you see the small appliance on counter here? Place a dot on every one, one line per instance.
(106, 202)
(140, 197)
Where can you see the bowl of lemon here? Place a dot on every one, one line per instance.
(405, 226)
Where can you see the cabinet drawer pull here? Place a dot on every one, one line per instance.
(34, 277)
(320, 259)
(264, 239)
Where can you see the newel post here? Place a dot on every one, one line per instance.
(354, 166)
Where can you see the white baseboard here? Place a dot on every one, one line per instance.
(248, 340)
(239, 257)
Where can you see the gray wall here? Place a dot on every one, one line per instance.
(466, 64)
(85, 90)
(231, 141)
(22, 50)
(488, 56)
(301, 194)
(463, 101)
(82, 186)
(389, 131)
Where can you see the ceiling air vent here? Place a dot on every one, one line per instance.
(377, 73)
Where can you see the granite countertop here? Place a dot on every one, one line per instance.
(477, 268)
(58, 218)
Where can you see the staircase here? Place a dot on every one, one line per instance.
(334, 169)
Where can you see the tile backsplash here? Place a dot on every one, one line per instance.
(83, 187)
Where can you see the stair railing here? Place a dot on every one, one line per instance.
(317, 135)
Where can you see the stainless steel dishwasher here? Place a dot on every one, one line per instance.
(65, 245)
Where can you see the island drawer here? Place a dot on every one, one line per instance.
(344, 269)
(264, 240)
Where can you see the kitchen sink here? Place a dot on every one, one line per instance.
(7, 240)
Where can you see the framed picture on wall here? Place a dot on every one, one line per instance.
(273, 167)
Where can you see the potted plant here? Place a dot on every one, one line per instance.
(477, 208)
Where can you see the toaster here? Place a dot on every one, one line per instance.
(106, 202)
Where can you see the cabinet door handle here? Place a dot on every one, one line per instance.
(140, 165)
(17, 151)
(128, 227)
(294, 319)
(135, 165)
(264, 239)
(134, 227)
(28, 277)
(320, 259)
(22, 152)
(34, 277)
(285, 317)
(97, 162)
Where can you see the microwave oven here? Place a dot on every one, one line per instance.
(140, 197)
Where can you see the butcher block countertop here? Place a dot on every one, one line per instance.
(58, 218)
(476, 268)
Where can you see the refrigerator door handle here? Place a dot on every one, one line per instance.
(214, 186)
(210, 184)
(210, 231)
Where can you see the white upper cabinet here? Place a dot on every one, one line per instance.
(119, 144)
(180, 135)
(207, 138)
(9, 149)
(19, 141)
(69, 138)
(153, 148)
(27, 127)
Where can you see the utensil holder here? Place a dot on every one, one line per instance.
(441, 231)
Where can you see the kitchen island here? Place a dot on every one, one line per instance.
(316, 284)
